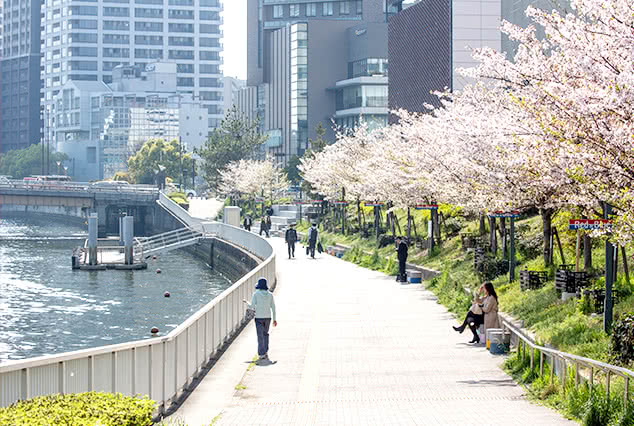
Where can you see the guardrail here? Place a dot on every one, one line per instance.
(160, 367)
(591, 364)
(79, 187)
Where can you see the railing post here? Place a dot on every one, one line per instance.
(532, 356)
(114, 372)
(552, 368)
(91, 372)
(607, 385)
(591, 379)
(133, 372)
(626, 392)
(186, 384)
(61, 377)
(541, 363)
(564, 376)
(576, 374)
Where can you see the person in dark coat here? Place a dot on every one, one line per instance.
(247, 223)
(401, 253)
(291, 239)
(264, 227)
(313, 239)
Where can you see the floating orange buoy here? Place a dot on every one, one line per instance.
(167, 294)
(158, 271)
(154, 330)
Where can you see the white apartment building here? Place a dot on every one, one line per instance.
(85, 40)
(99, 126)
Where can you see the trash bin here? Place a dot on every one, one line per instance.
(496, 339)
(414, 277)
(488, 335)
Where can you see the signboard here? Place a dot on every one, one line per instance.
(308, 201)
(373, 204)
(589, 224)
(426, 207)
(504, 214)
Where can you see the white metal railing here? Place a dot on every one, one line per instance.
(160, 367)
(578, 361)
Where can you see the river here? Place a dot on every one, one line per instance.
(47, 308)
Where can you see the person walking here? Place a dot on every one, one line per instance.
(263, 303)
(247, 223)
(264, 226)
(313, 239)
(401, 254)
(291, 239)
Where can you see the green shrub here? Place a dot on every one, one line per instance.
(622, 341)
(80, 409)
(597, 410)
(627, 416)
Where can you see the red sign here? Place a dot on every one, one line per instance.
(574, 224)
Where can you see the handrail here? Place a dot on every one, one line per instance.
(576, 359)
(161, 367)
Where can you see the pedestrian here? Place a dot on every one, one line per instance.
(247, 223)
(401, 253)
(264, 227)
(263, 303)
(291, 238)
(269, 211)
(313, 239)
(268, 225)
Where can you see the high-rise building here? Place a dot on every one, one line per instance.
(304, 68)
(85, 40)
(430, 39)
(20, 123)
(99, 126)
(232, 87)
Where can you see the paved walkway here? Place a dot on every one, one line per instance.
(355, 347)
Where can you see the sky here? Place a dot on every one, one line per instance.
(235, 38)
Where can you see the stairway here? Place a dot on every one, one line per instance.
(168, 241)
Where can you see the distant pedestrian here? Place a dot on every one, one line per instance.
(264, 226)
(401, 253)
(291, 239)
(313, 239)
(247, 223)
(269, 211)
(263, 303)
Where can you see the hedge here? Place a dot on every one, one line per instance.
(81, 409)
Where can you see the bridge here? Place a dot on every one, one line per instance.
(79, 199)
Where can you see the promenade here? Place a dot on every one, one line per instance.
(353, 347)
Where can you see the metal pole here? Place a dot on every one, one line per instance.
(180, 148)
(343, 211)
(93, 226)
(512, 252)
(609, 276)
(128, 239)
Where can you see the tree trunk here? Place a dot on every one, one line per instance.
(483, 227)
(587, 252)
(359, 217)
(626, 268)
(493, 237)
(409, 225)
(547, 218)
(503, 236)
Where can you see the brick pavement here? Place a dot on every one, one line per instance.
(353, 347)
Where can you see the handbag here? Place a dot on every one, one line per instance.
(320, 249)
(307, 250)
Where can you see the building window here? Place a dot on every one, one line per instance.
(91, 155)
(209, 56)
(208, 15)
(116, 11)
(148, 40)
(149, 26)
(278, 11)
(181, 41)
(359, 7)
(116, 25)
(293, 10)
(209, 42)
(116, 39)
(180, 14)
(209, 69)
(148, 13)
(185, 81)
(344, 8)
(208, 82)
(185, 68)
(327, 9)
(311, 9)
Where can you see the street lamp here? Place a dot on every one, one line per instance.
(65, 170)
(59, 163)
